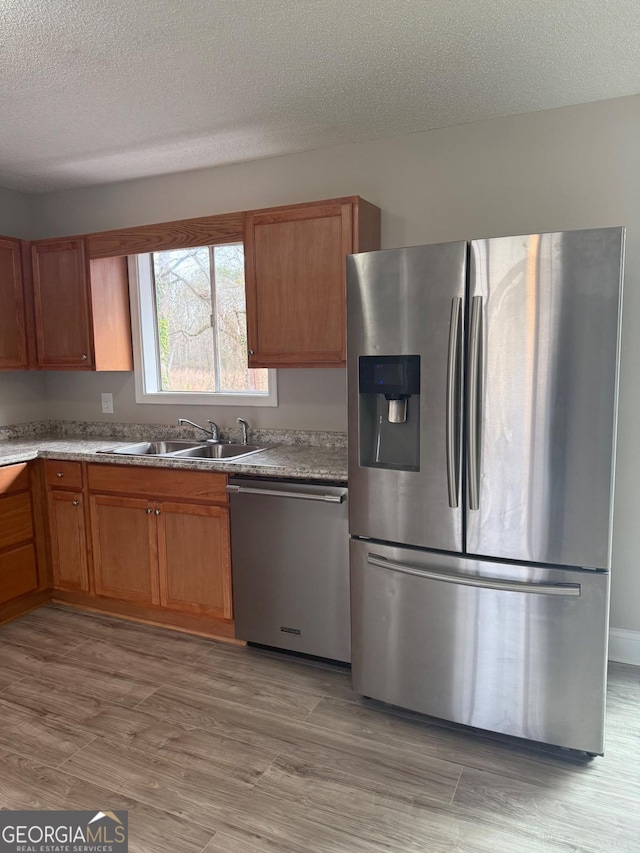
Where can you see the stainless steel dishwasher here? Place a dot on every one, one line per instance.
(290, 558)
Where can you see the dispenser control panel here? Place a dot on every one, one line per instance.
(395, 376)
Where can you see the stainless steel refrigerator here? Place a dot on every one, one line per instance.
(483, 382)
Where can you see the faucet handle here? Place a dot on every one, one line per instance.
(245, 430)
(215, 430)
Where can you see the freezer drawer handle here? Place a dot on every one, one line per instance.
(483, 583)
(473, 402)
(453, 440)
(273, 493)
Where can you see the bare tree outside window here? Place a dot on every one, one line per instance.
(202, 321)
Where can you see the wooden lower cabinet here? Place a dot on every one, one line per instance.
(18, 573)
(125, 552)
(142, 542)
(68, 540)
(194, 559)
(21, 584)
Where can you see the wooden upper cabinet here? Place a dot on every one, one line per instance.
(81, 308)
(13, 337)
(61, 297)
(295, 279)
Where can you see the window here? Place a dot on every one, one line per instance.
(189, 309)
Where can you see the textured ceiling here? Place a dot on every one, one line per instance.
(105, 90)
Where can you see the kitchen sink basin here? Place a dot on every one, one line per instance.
(186, 450)
(153, 448)
(218, 451)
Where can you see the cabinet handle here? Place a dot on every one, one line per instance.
(59, 474)
(75, 503)
(156, 512)
(148, 510)
(251, 352)
(83, 357)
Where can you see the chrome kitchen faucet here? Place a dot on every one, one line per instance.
(213, 432)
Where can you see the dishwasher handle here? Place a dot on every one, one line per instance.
(277, 493)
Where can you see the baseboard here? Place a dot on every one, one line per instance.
(204, 626)
(624, 646)
(22, 605)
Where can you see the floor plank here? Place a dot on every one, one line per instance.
(67, 622)
(549, 814)
(27, 784)
(224, 749)
(142, 731)
(419, 777)
(287, 670)
(49, 741)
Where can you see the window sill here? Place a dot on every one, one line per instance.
(188, 398)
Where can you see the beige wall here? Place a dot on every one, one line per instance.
(16, 213)
(307, 399)
(21, 393)
(575, 167)
(22, 398)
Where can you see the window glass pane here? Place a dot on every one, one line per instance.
(231, 323)
(183, 306)
(192, 288)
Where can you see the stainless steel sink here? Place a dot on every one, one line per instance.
(218, 451)
(186, 450)
(153, 448)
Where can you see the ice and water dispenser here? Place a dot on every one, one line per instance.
(389, 412)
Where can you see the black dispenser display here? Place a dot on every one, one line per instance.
(389, 417)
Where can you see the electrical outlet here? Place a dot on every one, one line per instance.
(107, 404)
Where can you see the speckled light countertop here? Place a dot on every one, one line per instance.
(304, 462)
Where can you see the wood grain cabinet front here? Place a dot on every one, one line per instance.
(152, 550)
(68, 540)
(13, 321)
(194, 559)
(82, 318)
(295, 279)
(125, 552)
(19, 573)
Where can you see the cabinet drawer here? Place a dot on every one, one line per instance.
(14, 478)
(158, 483)
(63, 474)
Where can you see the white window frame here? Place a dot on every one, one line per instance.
(145, 352)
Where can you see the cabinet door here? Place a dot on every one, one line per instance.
(194, 559)
(61, 297)
(18, 572)
(123, 532)
(13, 340)
(295, 280)
(68, 541)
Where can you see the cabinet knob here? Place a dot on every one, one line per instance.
(148, 510)
(83, 357)
(156, 512)
(75, 503)
(251, 352)
(59, 474)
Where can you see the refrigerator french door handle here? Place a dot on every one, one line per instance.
(452, 426)
(571, 589)
(473, 402)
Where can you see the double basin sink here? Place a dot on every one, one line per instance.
(214, 451)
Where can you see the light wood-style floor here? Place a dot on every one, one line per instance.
(223, 749)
